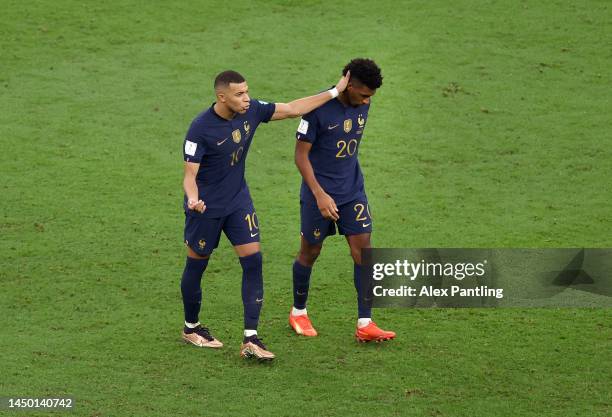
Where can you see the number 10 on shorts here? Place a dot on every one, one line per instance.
(252, 222)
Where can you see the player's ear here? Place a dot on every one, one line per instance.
(220, 96)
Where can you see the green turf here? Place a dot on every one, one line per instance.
(491, 130)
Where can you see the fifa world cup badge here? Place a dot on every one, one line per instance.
(236, 135)
(348, 125)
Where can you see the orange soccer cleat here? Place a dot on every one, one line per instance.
(302, 325)
(372, 333)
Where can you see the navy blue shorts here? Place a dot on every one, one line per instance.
(202, 233)
(354, 219)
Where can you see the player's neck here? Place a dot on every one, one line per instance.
(223, 111)
(343, 98)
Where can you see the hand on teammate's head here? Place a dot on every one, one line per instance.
(343, 82)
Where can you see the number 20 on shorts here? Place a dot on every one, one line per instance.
(359, 209)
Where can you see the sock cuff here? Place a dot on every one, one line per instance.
(251, 261)
(301, 268)
(197, 263)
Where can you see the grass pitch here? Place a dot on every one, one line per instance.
(491, 130)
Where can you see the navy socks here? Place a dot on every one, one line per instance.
(191, 289)
(252, 289)
(301, 283)
(364, 306)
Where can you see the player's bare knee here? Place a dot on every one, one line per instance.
(307, 258)
(193, 254)
(247, 249)
(356, 253)
(314, 252)
(308, 254)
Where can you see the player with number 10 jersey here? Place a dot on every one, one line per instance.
(217, 199)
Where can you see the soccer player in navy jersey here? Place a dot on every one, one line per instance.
(333, 193)
(217, 199)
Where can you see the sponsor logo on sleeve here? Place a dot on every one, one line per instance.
(190, 148)
(303, 127)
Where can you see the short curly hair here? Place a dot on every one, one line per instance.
(224, 78)
(366, 71)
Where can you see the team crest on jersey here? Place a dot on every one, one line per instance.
(247, 127)
(348, 125)
(201, 244)
(236, 135)
(360, 121)
(317, 233)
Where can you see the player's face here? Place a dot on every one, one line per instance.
(236, 97)
(359, 94)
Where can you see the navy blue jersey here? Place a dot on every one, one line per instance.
(220, 146)
(335, 132)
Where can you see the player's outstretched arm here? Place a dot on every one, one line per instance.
(327, 205)
(191, 188)
(307, 104)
